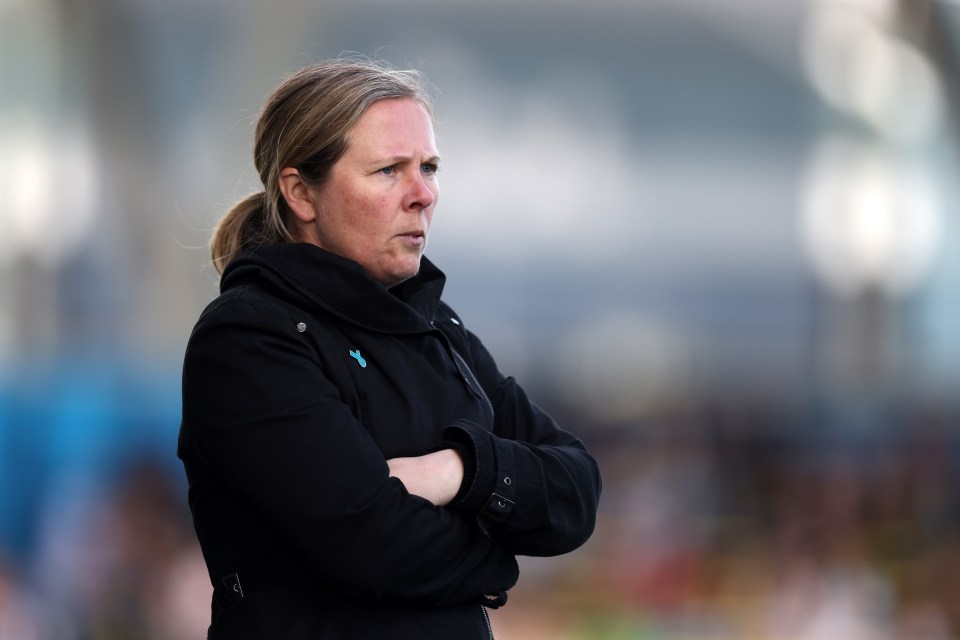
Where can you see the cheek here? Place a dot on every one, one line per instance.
(364, 212)
(370, 215)
(380, 211)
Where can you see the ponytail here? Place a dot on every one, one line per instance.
(246, 223)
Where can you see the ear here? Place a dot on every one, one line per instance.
(298, 195)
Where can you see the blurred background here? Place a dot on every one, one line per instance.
(719, 239)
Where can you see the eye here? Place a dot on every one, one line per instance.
(429, 168)
(389, 171)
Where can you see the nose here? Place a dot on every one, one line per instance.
(420, 196)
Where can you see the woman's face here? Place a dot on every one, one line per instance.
(377, 203)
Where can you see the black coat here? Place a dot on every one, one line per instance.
(299, 381)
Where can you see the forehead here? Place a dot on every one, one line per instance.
(395, 126)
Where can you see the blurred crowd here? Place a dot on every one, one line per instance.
(723, 519)
(743, 519)
(121, 563)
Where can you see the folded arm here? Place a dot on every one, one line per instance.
(534, 485)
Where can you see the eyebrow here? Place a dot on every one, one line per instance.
(435, 159)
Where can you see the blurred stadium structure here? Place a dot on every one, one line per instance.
(718, 238)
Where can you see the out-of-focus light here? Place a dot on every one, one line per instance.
(47, 190)
(31, 183)
(861, 69)
(870, 220)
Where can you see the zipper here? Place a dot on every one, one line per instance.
(486, 618)
(476, 383)
(466, 371)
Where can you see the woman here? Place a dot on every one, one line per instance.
(358, 466)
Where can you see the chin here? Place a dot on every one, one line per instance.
(396, 277)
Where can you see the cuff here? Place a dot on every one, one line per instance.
(491, 491)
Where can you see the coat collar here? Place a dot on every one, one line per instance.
(309, 276)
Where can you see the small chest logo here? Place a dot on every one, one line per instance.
(356, 356)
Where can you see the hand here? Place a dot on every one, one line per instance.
(436, 476)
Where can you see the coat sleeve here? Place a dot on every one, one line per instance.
(535, 485)
(263, 418)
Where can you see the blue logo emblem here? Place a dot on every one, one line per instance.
(356, 355)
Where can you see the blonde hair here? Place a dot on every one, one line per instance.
(305, 124)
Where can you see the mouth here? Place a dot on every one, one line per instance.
(413, 236)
